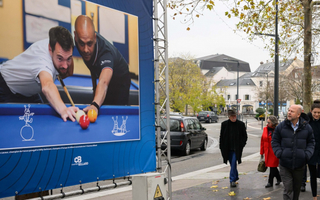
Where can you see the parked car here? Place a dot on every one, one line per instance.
(186, 134)
(208, 116)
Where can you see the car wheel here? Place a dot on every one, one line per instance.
(204, 145)
(209, 121)
(187, 149)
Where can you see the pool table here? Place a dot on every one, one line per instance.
(38, 125)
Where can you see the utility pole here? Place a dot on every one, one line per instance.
(237, 84)
(276, 68)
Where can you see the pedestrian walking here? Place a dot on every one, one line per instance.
(233, 138)
(266, 151)
(314, 122)
(293, 143)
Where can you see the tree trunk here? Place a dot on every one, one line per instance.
(307, 53)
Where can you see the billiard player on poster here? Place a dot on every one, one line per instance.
(35, 70)
(105, 63)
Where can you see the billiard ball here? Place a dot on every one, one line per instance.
(79, 114)
(84, 121)
(92, 114)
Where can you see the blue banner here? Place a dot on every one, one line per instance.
(38, 151)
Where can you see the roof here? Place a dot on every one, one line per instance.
(213, 71)
(267, 67)
(221, 60)
(243, 81)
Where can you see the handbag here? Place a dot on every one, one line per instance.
(262, 166)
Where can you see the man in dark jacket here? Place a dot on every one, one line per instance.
(293, 143)
(233, 138)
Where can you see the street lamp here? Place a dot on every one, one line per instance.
(276, 64)
(237, 61)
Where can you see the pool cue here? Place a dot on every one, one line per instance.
(65, 89)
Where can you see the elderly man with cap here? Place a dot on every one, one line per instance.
(233, 138)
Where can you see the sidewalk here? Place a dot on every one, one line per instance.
(216, 185)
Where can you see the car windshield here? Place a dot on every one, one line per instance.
(174, 125)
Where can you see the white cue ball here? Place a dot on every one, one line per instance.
(79, 114)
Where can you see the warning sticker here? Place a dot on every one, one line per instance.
(158, 194)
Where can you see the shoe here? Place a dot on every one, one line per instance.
(303, 188)
(268, 185)
(233, 184)
(278, 183)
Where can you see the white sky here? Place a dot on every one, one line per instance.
(213, 33)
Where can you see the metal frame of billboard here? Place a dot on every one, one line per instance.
(162, 89)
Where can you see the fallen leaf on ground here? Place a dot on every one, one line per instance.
(265, 175)
(307, 181)
(247, 198)
(215, 182)
(214, 186)
(215, 190)
(231, 193)
(224, 187)
(267, 198)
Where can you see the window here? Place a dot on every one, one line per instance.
(174, 125)
(261, 83)
(196, 124)
(236, 97)
(228, 98)
(189, 124)
(246, 97)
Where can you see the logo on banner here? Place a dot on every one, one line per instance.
(122, 130)
(26, 132)
(78, 161)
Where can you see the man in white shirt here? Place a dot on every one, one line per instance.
(35, 70)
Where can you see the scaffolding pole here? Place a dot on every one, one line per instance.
(161, 82)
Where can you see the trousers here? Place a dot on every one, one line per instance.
(291, 179)
(234, 176)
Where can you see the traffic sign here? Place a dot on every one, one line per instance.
(158, 194)
(239, 100)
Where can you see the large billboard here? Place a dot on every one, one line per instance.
(38, 151)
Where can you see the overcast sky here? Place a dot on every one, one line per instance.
(213, 33)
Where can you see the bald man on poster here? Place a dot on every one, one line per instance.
(105, 63)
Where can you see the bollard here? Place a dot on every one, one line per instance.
(246, 124)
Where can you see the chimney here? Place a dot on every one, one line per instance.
(261, 63)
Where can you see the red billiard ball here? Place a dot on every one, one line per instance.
(84, 121)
